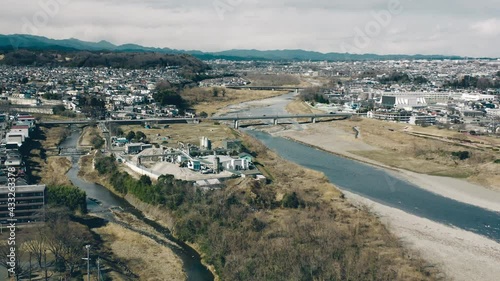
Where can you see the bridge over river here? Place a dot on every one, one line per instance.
(236, 119)
(313, 117)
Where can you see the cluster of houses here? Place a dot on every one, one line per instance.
(40, 89)
(16, 133)
(30, 199)
(213, 163)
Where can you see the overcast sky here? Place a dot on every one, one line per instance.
(449, 27)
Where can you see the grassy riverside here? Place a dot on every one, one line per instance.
(277, 241)
(121, 249)
(87, 136)
(45, 168)
(399, 147)
(205, 101)
(424, 150)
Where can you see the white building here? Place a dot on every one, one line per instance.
(236, 164)
(477, 97)
(23, 130)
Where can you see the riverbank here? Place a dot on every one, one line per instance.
(138, 228)
(141, 254)
(342, 143)
(462, 255)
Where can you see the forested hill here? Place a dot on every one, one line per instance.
(133, 60)
(31, 42)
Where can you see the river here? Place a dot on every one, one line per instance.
(191, 260)
(368, 181)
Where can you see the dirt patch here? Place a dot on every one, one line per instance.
(144, 257)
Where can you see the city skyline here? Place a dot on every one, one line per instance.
(461, 28)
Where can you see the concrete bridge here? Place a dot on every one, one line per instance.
(72, 151)
(235, 119)
(125, 122)
(313, 117)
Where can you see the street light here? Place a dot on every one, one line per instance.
(88, 261)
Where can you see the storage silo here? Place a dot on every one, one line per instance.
(208, 144)
(216, 165)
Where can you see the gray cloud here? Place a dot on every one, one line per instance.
(469, 28)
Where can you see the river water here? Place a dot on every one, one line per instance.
(191, 260)
(369, 181)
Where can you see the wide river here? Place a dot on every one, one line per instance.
(368, 181)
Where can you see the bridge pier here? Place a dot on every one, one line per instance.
(236, 124)
(296, 91)
(275, 121)
(313, 120)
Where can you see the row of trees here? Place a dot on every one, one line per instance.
(402, 78)
(55, 247)
(136, 136)
(314, 94)
(61, 110)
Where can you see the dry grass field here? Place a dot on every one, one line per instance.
(54, 172)
(425, 150)
(204, 101)
(186, 133)
(44, 165)
(53, 136)
(144, 257)
(88, 134)
(431, 153)
(299, 107)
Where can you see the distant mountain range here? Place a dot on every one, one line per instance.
(31, 42)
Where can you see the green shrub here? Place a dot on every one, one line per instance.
(462, 155)
(71, 197)
(291, 201)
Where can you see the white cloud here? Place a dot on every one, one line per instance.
(490, 27)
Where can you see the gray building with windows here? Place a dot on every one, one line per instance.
(30, 202)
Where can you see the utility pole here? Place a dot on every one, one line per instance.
(88, 261)
(45, 264)
(98, 269)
